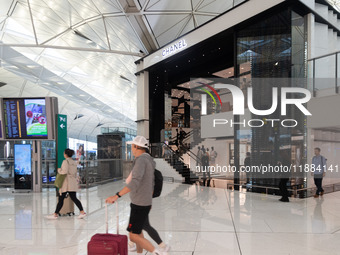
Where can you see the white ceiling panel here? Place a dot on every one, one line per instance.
(174, 5)
(213, 5)
(141, 3)
(122, 35)
(201, 19)
(174, 31)
(95, 32)
(197, 3)
(163, 23)
(188, 27)
(107, 6)
(85, 8)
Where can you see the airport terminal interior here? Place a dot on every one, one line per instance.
(237, 100)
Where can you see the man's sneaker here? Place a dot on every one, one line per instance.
(132, 246)
(316, 196)
(322, 192)
(158, 252)
(82, 215)
(164, 249)
(51, 217)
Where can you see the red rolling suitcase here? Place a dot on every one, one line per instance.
(108, 244)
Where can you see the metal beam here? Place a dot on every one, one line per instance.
(85, 21)
(107, 35)
(145, 5)
(141, 28)
(74, 48)
(31, 15)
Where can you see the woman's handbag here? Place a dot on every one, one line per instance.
(59, 180)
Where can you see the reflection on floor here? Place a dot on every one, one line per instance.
(192, 219)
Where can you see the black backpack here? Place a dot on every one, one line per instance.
(157, 189)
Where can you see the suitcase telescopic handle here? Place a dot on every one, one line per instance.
(107, 218)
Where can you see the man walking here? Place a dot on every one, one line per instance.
(319, 164)
(140, 189)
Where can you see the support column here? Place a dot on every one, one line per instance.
(143, 102)
(37, 179)
(310, 20)
(236, 120)
(310, 23)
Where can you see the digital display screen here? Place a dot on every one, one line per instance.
(35, 112)
(22, 159)
(25, 118)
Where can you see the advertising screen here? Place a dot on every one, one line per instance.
(22, 159)
(22, 166)
(25, 118)
(35, 112)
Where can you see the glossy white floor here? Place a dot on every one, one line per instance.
(193, 220)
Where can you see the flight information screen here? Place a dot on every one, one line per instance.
(25, 118)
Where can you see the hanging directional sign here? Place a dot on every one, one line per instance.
(61, 138)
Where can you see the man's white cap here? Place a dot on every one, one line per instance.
(139, 141)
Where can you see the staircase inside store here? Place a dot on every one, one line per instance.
(182, 169)
(176, 160)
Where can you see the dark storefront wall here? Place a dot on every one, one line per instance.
(199, 61)
(273, 48)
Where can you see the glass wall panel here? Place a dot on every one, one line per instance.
(272, 48)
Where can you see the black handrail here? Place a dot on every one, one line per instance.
(173, 151)
(190, 153)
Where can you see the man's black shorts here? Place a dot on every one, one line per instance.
(138, 216)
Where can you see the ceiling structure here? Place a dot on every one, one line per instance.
(335, 3)
(83, 52)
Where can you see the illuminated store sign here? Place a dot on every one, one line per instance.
(172, 49)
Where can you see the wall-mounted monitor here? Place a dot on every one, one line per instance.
(1, 122)
(29, 118)
(0, 129)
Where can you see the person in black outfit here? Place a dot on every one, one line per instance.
(284, 177)
(177, 136)
(182, 134)
(181, 137)
(247, 163)
(205, 167)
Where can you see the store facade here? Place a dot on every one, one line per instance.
(262, 45)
